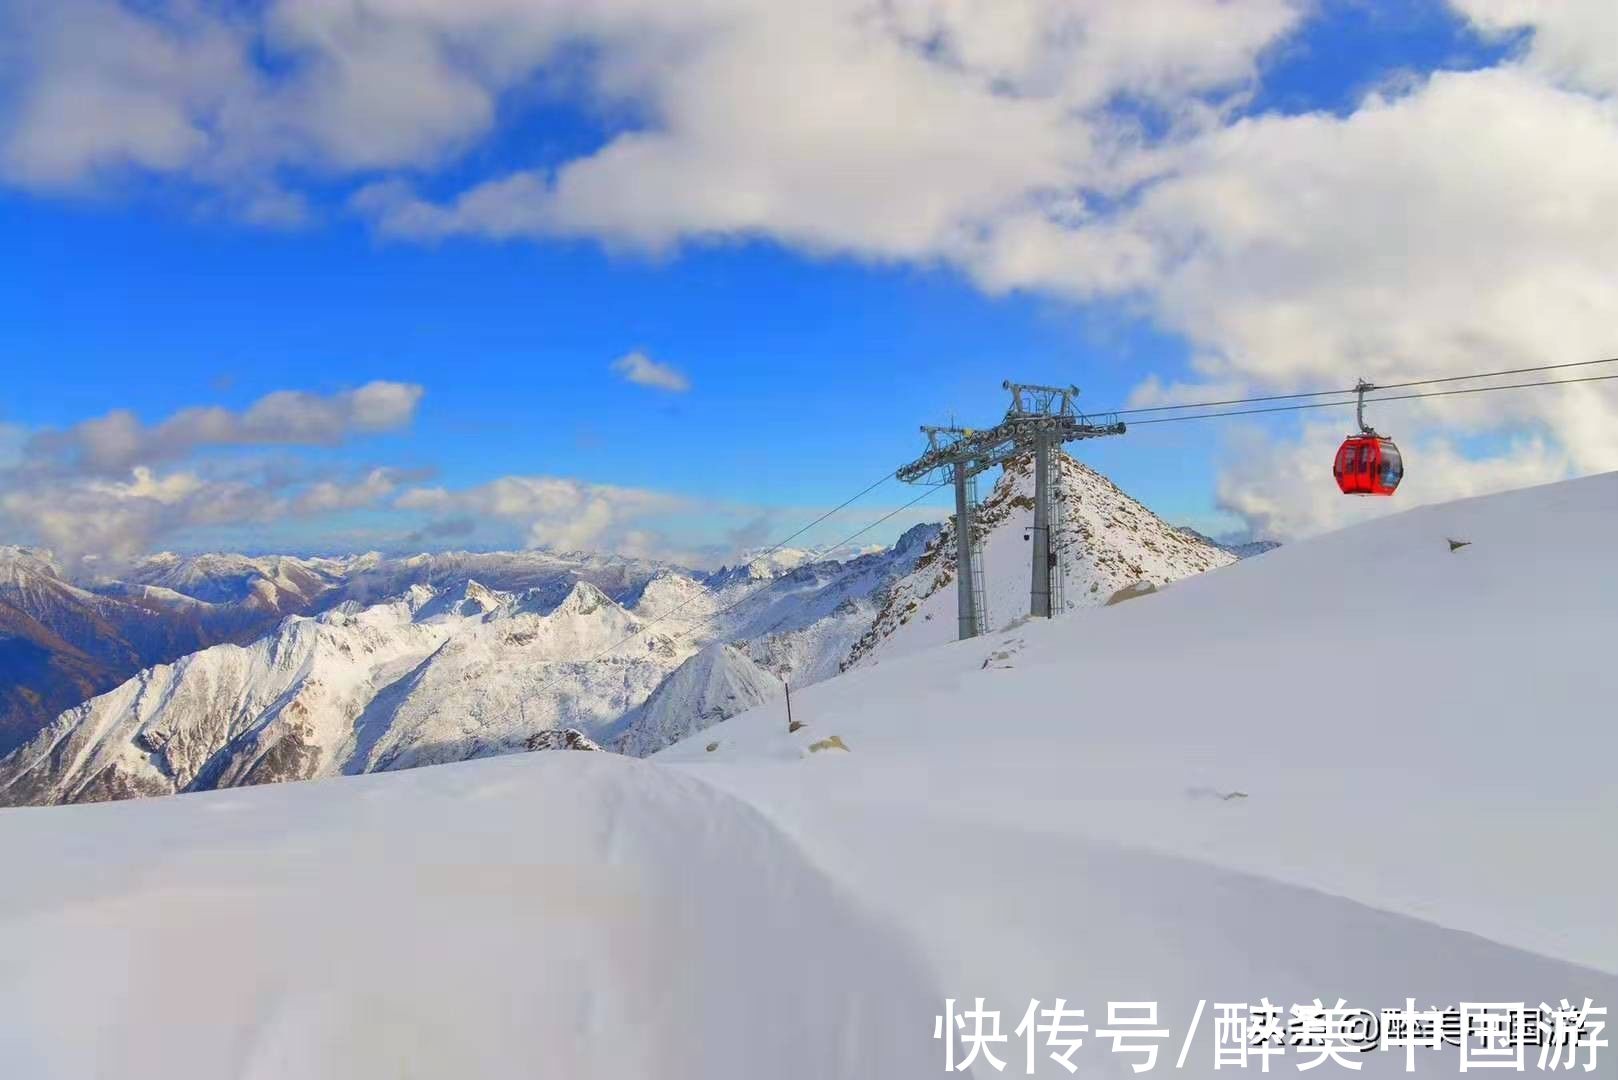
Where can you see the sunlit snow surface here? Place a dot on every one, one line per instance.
(1423, 740)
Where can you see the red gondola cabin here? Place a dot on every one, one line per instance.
(1368, 465)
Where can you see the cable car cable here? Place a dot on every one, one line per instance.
(1351, 390)
(1369, 400)
(1496, 374)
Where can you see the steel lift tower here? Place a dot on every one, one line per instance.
(1040, 417)
(1044, 417)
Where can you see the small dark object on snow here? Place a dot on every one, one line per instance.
(794, 726)
(712, 747)
(1229, 795)
(1456, 545)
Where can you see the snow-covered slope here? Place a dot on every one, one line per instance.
(1369, 714)
(578, 916)
(1364, 766)
(714, 685)
(1104, 540)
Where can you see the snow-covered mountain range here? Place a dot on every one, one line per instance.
(63, 641)
(370, 664)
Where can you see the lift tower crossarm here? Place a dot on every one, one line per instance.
(977, 450)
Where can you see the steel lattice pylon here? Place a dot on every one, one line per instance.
(1040, 417)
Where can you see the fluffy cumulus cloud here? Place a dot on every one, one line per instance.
(642, 370)
(1284, 489)
(114, 487)
(852, 124)
(566, 514)
(1458, 222)
(1571, 42)
(1464, 226)
(908, 129)
(559, 513)
(115, 443)
(118, 519)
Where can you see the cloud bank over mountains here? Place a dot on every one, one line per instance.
(100, 487)
(112, 488)
(1449, 222)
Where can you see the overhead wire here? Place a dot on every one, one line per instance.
(1354, 390)
(1371, 400)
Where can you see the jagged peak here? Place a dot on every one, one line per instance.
(470, 600)
(476, 590)
(586, 599)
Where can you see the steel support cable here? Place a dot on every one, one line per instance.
(1352, 390)
(1371, 400)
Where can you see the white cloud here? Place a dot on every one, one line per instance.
(1572, 40)
(905, 130)
(114, 443)
(744, 128)
(556, 512)
(116, 519)
(95, 489)
(332, 496)
(642, 370)
(562, 513)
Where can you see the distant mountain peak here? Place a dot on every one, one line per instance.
(585, 599)
(1242, 550)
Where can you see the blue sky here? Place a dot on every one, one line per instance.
(811, 359)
